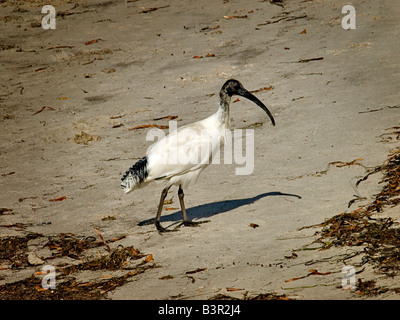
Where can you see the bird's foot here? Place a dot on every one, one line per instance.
(161, 229)
(193, 223)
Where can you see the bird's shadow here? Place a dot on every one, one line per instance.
(213, 208)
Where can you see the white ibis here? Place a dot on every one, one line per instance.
(177, 148)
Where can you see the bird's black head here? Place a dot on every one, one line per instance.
(233, 86)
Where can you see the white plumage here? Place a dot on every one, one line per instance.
(182, 155)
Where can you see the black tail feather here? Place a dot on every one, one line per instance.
(136, 174)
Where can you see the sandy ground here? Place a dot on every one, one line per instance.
(140, 68)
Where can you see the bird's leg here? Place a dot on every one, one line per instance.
(186, 222)
(184, 215)
(160, 206)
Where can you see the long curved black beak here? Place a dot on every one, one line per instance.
(246, 94)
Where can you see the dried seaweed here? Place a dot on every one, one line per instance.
(380, 236)
(15, 250)
(262, 296)
(31, 289)
(115, 260)
(269, 296)
(67, 244)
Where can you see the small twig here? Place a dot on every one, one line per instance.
(166, 117)
(45, 107)
(367, 175)
(60, 47)
(102, 239)
(372, 110)
(145, 10)
(311, 59)
(63, 13)
(291, 18)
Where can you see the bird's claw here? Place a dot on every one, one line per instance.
(193, 223)
(161, 229)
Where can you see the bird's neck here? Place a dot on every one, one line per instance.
(223, 111)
